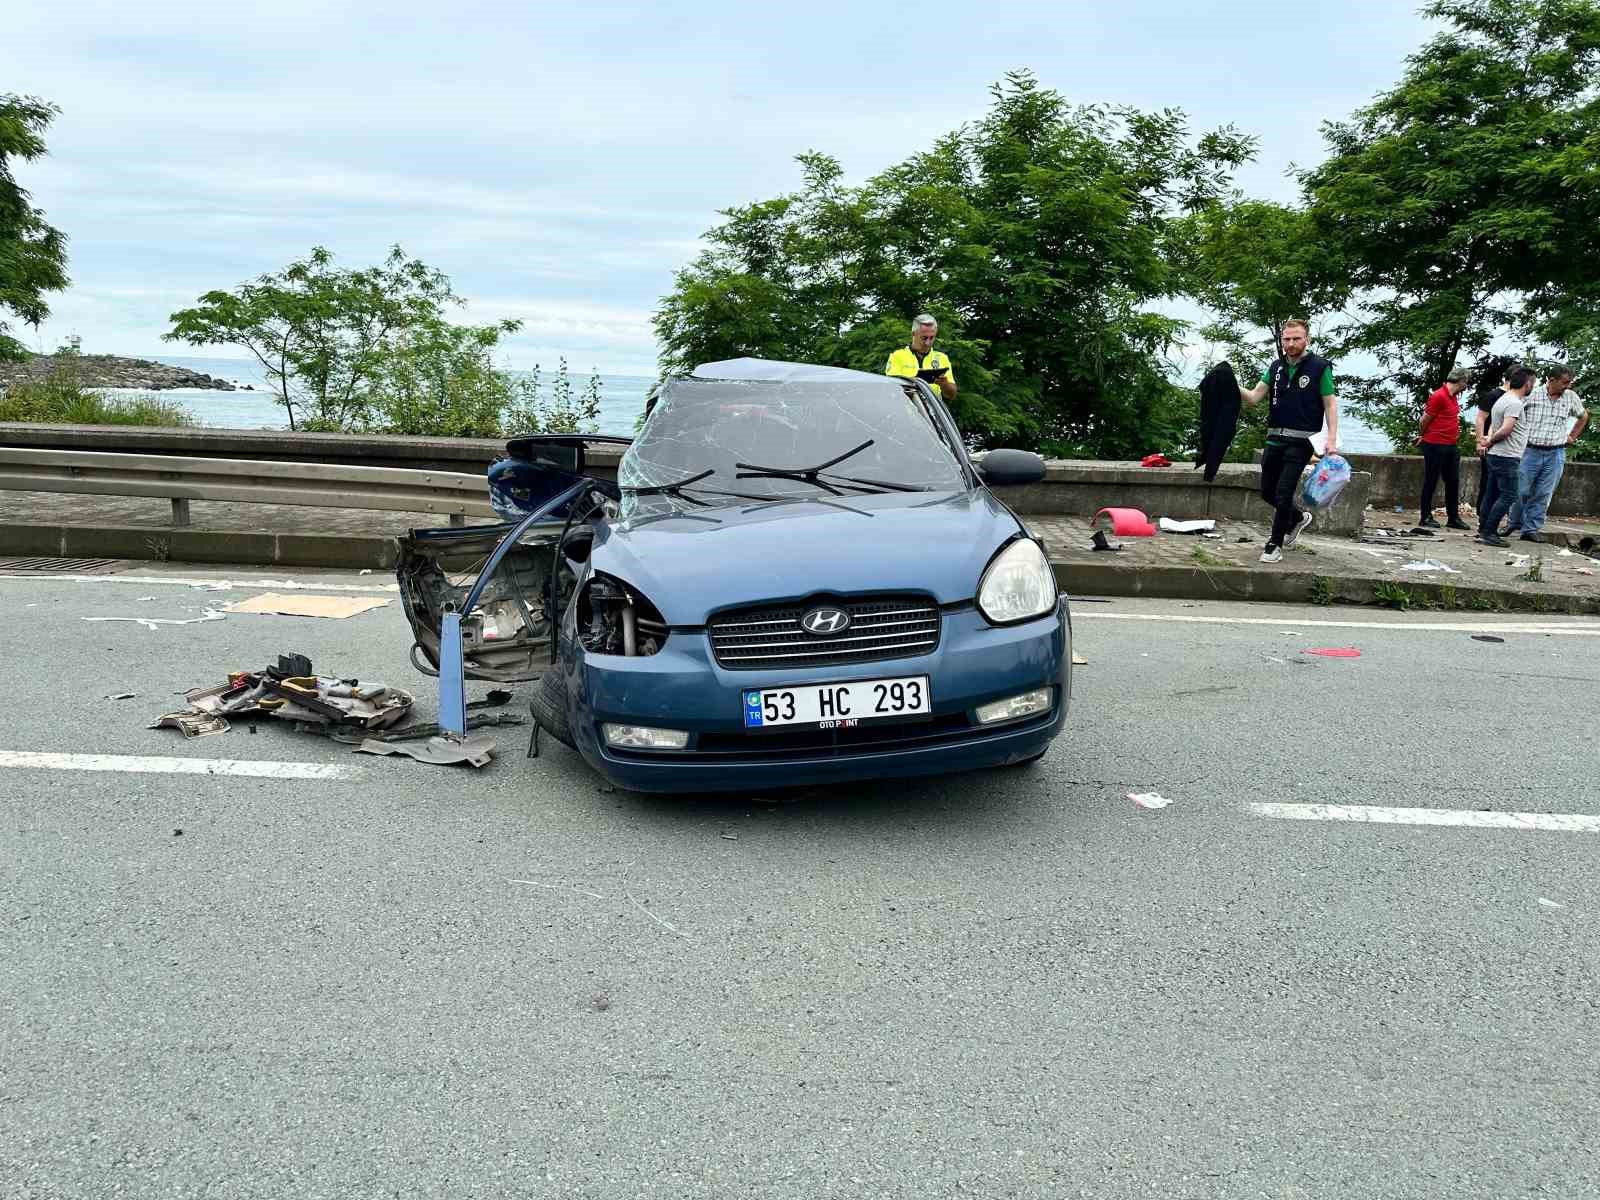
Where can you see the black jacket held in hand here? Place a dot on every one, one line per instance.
(1219, 417)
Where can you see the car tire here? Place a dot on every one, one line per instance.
(549, 706)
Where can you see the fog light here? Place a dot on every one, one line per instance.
(1013, 707)
(645, 737)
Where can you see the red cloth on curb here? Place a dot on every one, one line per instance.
(1155, 460)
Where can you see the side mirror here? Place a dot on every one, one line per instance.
(563, 454)
(1011, 468)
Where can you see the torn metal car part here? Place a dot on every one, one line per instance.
(191, 724)
(441, 751)
(314, 699)
(412, 733)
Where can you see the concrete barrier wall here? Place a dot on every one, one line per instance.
(1079, 488)
(1397, 479)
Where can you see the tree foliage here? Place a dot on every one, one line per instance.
(1039, 236)
(372, 350)
(322, 333)
(33, 253)
(1470, 187)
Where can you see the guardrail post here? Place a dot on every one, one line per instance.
(180, 511)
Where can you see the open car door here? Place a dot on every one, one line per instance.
(504, 587)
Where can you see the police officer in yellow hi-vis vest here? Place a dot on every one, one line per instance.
(920, 360)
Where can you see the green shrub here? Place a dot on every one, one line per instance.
(62, 400)
(1392, 595)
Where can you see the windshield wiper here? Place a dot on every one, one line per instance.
(815, 475)
(678, 490)
(670, 489)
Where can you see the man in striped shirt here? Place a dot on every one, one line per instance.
(1546, 415)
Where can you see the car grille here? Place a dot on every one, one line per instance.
(762, 638)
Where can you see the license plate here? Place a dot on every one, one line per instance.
(837, 705)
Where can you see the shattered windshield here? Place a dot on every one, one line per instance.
(767, 440)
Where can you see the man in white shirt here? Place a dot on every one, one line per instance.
(1505, 435)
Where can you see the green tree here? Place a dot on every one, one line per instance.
(1470, 186)
(324, 334)
(1040, 236)
(440, 381)
(33, 253)
(1254, 264)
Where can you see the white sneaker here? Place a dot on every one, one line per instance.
(1293, 535)
(1271, 555)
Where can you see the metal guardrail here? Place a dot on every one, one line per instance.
(317, 485)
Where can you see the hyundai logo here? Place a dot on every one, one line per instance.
(825, 622)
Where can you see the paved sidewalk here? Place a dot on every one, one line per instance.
(1322, 569)
(1447, 570)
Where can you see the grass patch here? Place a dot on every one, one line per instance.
(1392, 595)
(1321, 590)
(1447, 596)
(63, 400)
(1207, 559)
(1535, 571)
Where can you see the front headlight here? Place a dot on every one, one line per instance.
(1018, 585)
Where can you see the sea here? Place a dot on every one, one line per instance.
(621, 396)
(621, 401)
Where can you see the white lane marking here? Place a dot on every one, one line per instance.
(1568, 630)
(149, 764)
(1378, 815)
(216, 585)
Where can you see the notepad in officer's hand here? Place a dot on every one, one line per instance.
(929, 374)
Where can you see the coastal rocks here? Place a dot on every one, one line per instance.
(109, 371)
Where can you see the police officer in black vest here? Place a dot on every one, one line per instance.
(1301, 386)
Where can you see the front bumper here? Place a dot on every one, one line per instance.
(683, 687)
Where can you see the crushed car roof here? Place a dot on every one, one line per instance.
(766, 370)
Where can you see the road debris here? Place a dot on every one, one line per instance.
(152, 623)
(337, 608)
(1486, 637)
(290, 691)
(123, 696)
(1430, 564)
(191, 724)
(1550, 903)
(1079, 661)
(1336, 652)
(440, 751)
(1149, 799)
(1168, 525)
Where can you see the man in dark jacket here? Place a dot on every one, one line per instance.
(1300, 385)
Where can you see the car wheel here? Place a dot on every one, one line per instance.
(549, 705)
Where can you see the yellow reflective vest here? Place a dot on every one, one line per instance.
(905, 363)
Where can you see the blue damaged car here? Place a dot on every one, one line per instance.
(797, 576)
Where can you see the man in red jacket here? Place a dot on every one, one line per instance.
(1441, 456)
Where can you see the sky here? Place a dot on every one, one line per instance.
(560, 161)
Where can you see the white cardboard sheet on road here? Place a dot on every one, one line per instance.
(303, 604)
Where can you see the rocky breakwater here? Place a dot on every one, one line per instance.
(109, 371)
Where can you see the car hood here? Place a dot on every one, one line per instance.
(694, 562)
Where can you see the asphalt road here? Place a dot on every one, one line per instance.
(428, 981)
